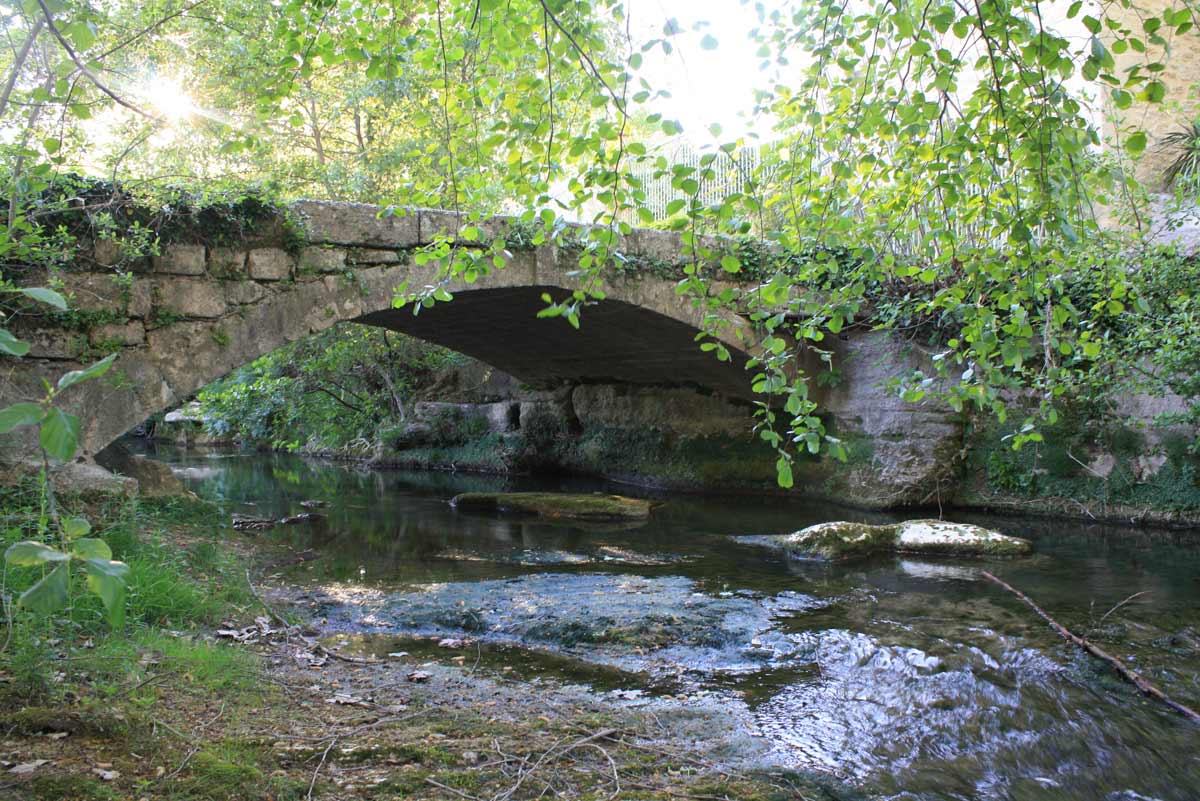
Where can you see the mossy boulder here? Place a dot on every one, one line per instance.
(555, 505)
(843, 540)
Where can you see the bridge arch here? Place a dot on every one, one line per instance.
(196, 313)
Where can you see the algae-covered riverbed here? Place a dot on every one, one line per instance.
(908, 678)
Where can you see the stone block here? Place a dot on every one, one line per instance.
(180, 260)
(91, 481)
(130, 333)
(503, 416)
(435, 222)
(322, 260)
(227, 263)
(372, 256)
(96, 292)
(190, 297)
(50, 343)
(335, 223)
(108, 252)
(677, 410)
(269, 264)
(542, 417)
(662, 246)
(321, 318)
(241, 293)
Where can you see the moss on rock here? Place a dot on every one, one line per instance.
(842, 540)
(957, 539)
(555, 505)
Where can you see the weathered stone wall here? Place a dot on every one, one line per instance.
(1181, 79)
(1119, 467)
(901, 454)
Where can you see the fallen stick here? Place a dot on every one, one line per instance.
(1130, 675)
(278, 618)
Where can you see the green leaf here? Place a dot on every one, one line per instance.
(106, 579)
(709, 42)
(44, 295)
(81, 34)
(783, 472)
(91, 548)
(51, 593)
(12, 346)
(95, 371)
(730, 264)
(75, 527)
(29, 554)
(19, 414)
(60, 434)
(1136, 143)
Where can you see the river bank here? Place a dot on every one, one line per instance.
(209, 693)
(869, 672)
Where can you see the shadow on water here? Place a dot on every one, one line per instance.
(912, 677)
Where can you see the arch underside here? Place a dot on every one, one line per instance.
(616, 342)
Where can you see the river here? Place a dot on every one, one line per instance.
(909, 678)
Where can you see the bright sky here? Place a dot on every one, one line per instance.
(710, 86)
(707, 86)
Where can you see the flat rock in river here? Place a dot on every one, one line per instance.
(555, 505)
(843, 540)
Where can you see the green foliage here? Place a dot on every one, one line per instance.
(1060, 466)
(1184, 167)
(336, 388)
(58, 435)
(166, 586)
(935, 170)
(76, 210)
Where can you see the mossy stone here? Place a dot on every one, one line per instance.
(842, 540)
(839, 540)
(555, 505)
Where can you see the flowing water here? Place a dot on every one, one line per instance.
(909, 678)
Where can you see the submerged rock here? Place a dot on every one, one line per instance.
(844, 540)
(555, 505)
(635, 623)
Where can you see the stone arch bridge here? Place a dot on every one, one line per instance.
(195, 313)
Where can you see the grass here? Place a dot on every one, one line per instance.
(130, 695)
(180, 584)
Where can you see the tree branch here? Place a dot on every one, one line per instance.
(91, 76)
(18, 65)
(1130, 675)
(150, 29)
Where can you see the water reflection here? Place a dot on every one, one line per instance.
(910, 676)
